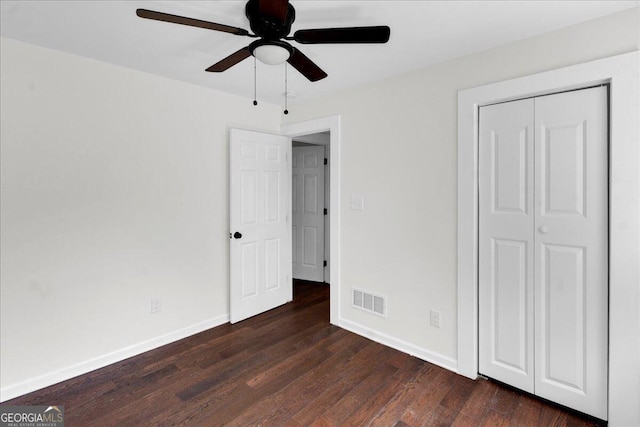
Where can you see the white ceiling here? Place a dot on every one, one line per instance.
(422, 33)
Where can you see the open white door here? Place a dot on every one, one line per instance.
(260, 226)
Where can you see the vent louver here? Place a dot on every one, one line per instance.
(369, 302)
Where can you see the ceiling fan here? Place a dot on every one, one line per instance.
(270, 21)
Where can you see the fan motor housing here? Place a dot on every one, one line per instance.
(269, 25)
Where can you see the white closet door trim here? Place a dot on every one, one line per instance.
(622, 73)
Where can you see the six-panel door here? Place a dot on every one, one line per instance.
(260, 226)
(308, 213)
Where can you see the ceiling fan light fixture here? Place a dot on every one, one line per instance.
(270, 52)
(271, 21)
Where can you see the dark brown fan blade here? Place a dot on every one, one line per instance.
(307, 67)
(230, 60)
(175, 19)
(377, 34)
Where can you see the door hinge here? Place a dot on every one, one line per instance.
(325, 211)
(326, 161)
(324, 264)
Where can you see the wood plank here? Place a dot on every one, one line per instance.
(337, 381)
(247, 404)
(359, 395)
(414, 396)
(440, 416)
(276, 408)
(495, 419)
(504, 401)
(427, 405)
(527, 412)
(390, 388)
(463, 420)
(456, 398)
(478, 401)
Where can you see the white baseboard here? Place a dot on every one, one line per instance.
(422, 353)
(46, 380)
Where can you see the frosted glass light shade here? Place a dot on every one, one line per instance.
(271, 54)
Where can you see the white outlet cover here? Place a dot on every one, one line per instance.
(156, 305)
(435, 318)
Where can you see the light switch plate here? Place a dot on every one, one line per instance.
(357, 202)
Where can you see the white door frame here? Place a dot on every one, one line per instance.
(622, 73)
(331, 124)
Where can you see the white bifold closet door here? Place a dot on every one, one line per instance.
(543, 247)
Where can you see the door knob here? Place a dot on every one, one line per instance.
(543, 229)
(237, 235)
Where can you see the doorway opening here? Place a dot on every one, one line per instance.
(325, 132)
(310, 207)
(309, 213)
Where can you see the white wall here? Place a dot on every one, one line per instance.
(399, 150)
(114, 190)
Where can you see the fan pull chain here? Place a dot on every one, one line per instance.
(255, 97)
(286, 91)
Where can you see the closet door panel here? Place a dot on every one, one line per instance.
(506, 243)
(571, 267)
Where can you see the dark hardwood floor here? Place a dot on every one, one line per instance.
(289, 367)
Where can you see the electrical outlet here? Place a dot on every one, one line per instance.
(435, 318)
(156, 305)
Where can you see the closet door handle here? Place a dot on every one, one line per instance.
(543, 230)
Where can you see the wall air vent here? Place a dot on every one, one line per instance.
(369, 302)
